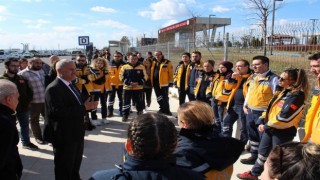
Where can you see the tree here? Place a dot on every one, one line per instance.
(260, 11)
(125, 39)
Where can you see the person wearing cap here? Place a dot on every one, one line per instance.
(221, 97)
(312, 125)
(181, 77)
(263, 85)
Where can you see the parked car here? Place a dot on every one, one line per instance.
(74, 54)
(15, 55)
(27, 55)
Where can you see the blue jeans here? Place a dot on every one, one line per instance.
(233, 114)
(23, 119)
(218, 110)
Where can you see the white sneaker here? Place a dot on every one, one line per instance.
(144, 111)
(105, 121)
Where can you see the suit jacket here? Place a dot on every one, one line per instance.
(64, 117)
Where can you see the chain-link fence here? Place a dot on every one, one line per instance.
(290, 46)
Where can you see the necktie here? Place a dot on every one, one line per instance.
(76, 92)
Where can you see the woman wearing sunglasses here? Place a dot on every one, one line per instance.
(281, 118)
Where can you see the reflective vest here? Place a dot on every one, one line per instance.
(218, 91)
(178, 74)
(233, 85)
(165, 73)
(114, 74)
(82, 80)
(312, 124)
(209, 88)
(100, 80)
(133, 73)
(260, 92)
(285, 110)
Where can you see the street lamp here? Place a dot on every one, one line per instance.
(272, 26)
(211, 15)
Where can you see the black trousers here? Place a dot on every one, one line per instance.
(112, 96)
(182, 95)
(147, 93)
(67, 160)
(162, 97)
(136, 96)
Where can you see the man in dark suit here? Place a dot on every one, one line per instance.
(64, 121)
(10, 162)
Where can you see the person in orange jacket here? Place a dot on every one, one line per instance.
(100, 79)
(312, 125)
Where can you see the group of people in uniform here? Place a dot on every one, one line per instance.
(269, 108)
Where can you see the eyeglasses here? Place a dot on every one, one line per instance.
(282, 79)
(116, 56)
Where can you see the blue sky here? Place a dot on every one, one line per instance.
(56, 24)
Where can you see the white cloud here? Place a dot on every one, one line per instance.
(3, 9)
(220, 9)
(66, 28)
(190, 1)
(111, 23)
(102, 9)
(35, 24)
(166, 9)
(28, 1)
(38, 21)
(145, 13)
(170, 22)
(283, 21)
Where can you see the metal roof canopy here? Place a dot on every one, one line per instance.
(199, 25)
(191, 26)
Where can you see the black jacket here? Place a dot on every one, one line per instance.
(10, 162)
(201, 148)
(152, 169)
(24, 89)
(64, 116)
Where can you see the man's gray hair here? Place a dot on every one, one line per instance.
(60, 64)
(7, 88)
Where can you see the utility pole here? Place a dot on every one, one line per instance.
(272, 25)
(211, 15)
(314, 21)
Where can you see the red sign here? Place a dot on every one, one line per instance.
(175, 26)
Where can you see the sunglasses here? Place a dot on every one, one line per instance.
(282, 79)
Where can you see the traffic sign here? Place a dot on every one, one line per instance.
(83, 40)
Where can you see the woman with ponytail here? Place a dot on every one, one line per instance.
(280, 121)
